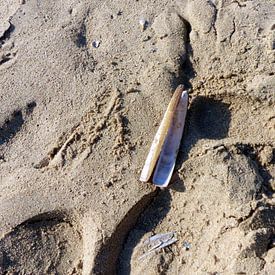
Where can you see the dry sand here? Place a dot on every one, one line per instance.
(76, 123)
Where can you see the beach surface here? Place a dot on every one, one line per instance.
(83, 88)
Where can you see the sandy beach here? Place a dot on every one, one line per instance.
(83, 88)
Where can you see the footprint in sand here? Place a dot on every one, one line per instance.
(43, 245)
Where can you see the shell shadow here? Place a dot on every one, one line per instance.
(207, 118)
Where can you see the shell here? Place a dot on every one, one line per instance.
(95, 43)
(172, 123)
(168, 155)
(143, 23)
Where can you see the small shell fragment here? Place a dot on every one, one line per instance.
(186, 245)
(143, 23)
(162, 156)
(95, 43)
(159, 241)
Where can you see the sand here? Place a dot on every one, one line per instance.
(76, 123)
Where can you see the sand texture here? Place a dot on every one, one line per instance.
(83, 88)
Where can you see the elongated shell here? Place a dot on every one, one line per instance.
(168, 155)
(160, 136)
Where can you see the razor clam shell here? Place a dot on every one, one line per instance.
(160, 136)
(168, 155)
